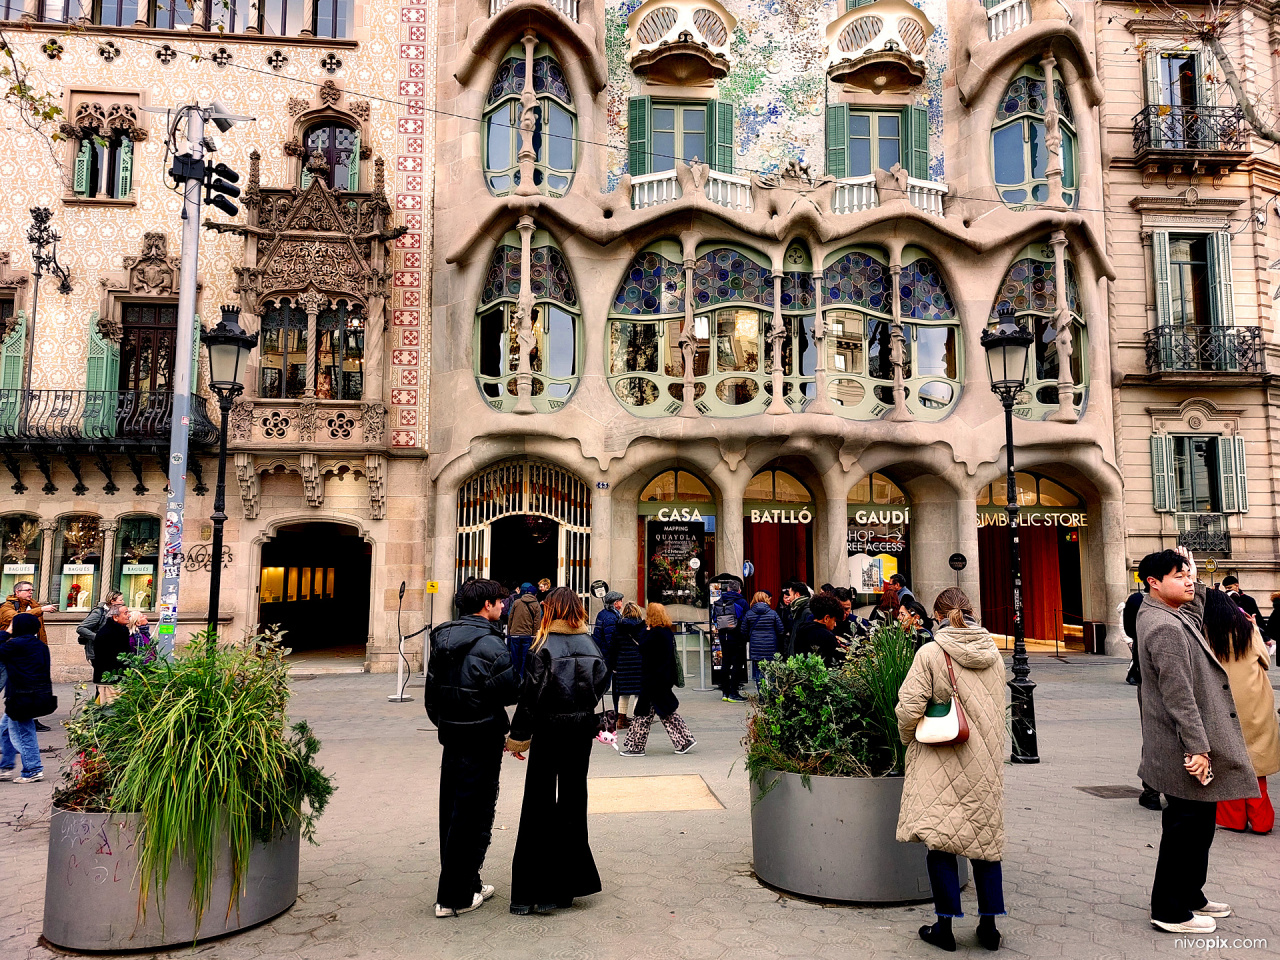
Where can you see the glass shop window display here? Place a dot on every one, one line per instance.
(20, 542)
(77, 551)
(137, 560)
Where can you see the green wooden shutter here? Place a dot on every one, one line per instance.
(353, 167)
(1163, 494)
(1221, 289)
(638, 112)
(124, 183)
(306, 176)
(855, 4)
(720, 115)
(1164, 289)
(83, 162)
(1156, 94)
(838, 141)
(1206, 66)
(102, 379)
(1231, 475)
(915, 141)
(11, 359)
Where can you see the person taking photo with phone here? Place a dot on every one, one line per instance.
(1193, 750)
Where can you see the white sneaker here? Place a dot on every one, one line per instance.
(29, 778)
(7, 774)
(1212, 909)
(476, 901)
(486, 891)
(1195, 925)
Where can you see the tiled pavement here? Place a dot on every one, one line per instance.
(679, 885)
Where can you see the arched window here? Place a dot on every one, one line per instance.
(340, 336)
(1030, 288)
(554, 130)
(733, 300)
(858, 321)
(676, 486)
(338, 146)
(20, 547)
(1034, 490)
(555, 357)
(282, 358)
(104, 167)
(776, 486)
(1019, 153)
(877, 489)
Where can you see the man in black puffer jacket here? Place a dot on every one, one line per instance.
(470, 683)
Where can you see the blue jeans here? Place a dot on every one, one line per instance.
(944, 878)
(519, 647)
(19, 736)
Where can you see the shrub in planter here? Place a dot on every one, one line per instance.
(825, 763)
(198, 748)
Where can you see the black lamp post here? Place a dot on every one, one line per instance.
(1007, 347)
(229, 348)
(44, 260)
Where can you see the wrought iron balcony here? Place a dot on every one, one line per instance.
(1173, 349)
(1203, 532)
(105, 418)
(1178, 141)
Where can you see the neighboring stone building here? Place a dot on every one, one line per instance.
(327, 259)
(711, 282)
(1191, 226)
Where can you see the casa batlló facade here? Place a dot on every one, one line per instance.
(697, 287)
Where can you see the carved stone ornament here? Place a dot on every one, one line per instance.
(154, 273)
(294, 148)
(95, 119)
(330, 93)
(373, 421)
(307, 426)
(361, 109)
(298, 105)
(240, 421)
(247, 476)
(312, 481)
(331, 265)
(376, 474)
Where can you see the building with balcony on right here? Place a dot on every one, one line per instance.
(1191, 210)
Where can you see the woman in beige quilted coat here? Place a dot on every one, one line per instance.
(953, 796)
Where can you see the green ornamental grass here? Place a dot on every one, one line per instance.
(199, 745)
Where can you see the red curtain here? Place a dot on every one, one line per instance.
(1041, 583)
(779, 552)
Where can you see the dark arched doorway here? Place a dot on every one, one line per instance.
(315, 583)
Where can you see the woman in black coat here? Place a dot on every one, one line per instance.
(556, 722)
(624, 661)
(658, 677)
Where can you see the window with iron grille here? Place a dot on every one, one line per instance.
(147, 346)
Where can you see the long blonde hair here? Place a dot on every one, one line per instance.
(632, 611)
(561, 604)
(762, 596)
(656, 616)
(952, 605)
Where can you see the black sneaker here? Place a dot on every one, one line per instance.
(42, 728)
(734, 698)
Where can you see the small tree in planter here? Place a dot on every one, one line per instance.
(825, 763)
(190, 784)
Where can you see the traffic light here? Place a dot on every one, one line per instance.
(220, 184)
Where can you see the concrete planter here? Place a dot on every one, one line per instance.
(91, 888)
(836, 841)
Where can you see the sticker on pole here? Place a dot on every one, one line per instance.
(433, 586)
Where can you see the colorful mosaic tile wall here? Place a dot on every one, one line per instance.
(777, 83)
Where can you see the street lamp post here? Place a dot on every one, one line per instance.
(229, 348)
(1007, 347)
(44, 260)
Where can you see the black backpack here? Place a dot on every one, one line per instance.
(724, 615)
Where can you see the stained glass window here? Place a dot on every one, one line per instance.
(856, 279)
(554, 133)
(652, 285)
(503, 278)
(1019, 148)
(924, 296)
(797, 291)
(725, 275)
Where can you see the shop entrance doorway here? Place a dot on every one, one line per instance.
(1053, 521)
(524, 549)
(777, 532)
(315, 584)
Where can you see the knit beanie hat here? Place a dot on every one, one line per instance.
(24, 625)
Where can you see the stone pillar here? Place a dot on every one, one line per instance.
(524, 320)
(109, 529)
(1062, 343)
(821, 403)
(308, 19)
(898, 346)
(687, 346)
(528, 121)
(1107, 552)
(603, 562)
(966, 543)
(777, 333)
(374, 335)
(729, 538)
(43, 587)
(311, 301)
(934, 537)
(1052, 134)
(835, 518)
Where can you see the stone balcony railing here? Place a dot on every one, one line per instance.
(307, 424)
(1006, 16)
(568, 7)
(851, 195)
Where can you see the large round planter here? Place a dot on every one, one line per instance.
(835, 839)
(91, 888)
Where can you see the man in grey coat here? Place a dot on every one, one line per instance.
(1192, 748)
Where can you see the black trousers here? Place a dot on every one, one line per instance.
(553, 861)
(468, 799)
(733, 662)
(1183, 863)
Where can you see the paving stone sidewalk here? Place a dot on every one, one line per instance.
(679, 886)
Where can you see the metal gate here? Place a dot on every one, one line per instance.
(524, 487)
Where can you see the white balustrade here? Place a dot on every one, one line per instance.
(859, 193)
(1007, 17)
(729, 191)
(652, 189)
(568, 7)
